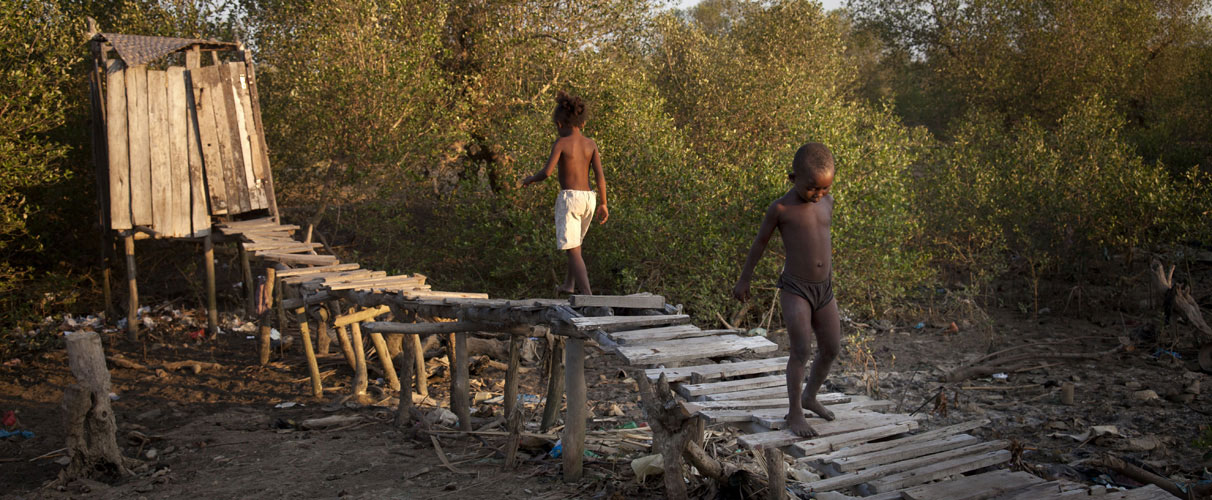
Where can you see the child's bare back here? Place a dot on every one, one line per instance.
(574, 154)
(802, 217)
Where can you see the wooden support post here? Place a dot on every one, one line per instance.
(555, 383)
(107, 258)
(317, 388)
(389, 369)
(266, 318)
(92, 445)
(132, 302)
(776, 472)
(514, 425)
(250, 286)
(278, 289)
(697, 427)
(212, 309)
(422, 373)
(667, 419)
(460, 383)
(343, 339)
(360, 379)
(322, 339)
(574, 418)
(511, 375)
(404, 410)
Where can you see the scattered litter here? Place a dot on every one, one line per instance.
(645, 466)
(287, 404)
(758, 332)
(198, 334)
(804, 476)
(630, 425)
(1166, 352)
(16, 433)
(499, 399)
(441, 416)
(113, 396)
(529, 399)
(1001, 376)
(919, 326)
(274, 334)
(1093, 432)
(249, 337)
(10, 419)
(557, 450)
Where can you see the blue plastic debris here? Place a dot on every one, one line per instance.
(919, 326)
(1166, 352)
(18, 433)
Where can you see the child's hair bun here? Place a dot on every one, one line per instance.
(570, 110)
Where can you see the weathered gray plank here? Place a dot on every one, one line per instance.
(904, 452)
(178, 152)
(229, 143)
(350, 266)
(158, 145)
(199, 210)
(233, 74)
(261, 170)
(294, 258)
(140, 148)
(117, 146)
(939, 470)
(916, 438)
(204, 83)
(957, 460)
(693, 390)
(977, 487)
(639, 301)
(666, 333)
(682, 350)
(613, 323)
(720, 370)
(825, 429)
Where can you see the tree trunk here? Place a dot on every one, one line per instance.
(92, 444)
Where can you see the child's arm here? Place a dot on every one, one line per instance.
(741, 290)
(602, 212)
(547, 169)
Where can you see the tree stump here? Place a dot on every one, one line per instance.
(92, 444)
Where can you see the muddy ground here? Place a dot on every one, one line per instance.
(220, 433)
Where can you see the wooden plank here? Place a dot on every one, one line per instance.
(666, 333)
(939, 469)
(774, 420)
(378, 282)
(260, 245)
(335, 275)
(260, 172)
(178, 152)
(1051, 490)
(976, 487)
(349, 266)
(905, 452)
(229, 143)
(294, 258)
(199, 210)
(682, 350)
(916, 438)
(434, 294)
(720, 370)
(762, 393)
(613, 323)
(966, 455)
(140, 148)
(360, 316)
(778, 409)
(824, 429)
(1147, 492)
(232, 73)
(692, 390)
(117, 146)
(645, 301)
(259, 130)
(157, 140)
(204, 81)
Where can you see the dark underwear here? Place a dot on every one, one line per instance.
(817, 293)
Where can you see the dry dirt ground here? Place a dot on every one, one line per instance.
(219, 433)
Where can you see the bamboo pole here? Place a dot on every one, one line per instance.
(250, 288)
(343, 339)
(460, 389)
(404, 409)
(360, 379)
(212, 309)
(132, 302)
(322, 338)
(422, 373)
(511, 375)
(266, 317)
(389, 370)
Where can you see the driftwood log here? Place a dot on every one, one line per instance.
(987, 366)
(1176, 297)
(92, 445)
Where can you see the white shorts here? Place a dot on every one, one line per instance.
(573, 215)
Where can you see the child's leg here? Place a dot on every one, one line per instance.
(569, 285)
(576, 268)
(828, 327)
(797, 315)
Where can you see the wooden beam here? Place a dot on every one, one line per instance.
(639, 301)
(360, 316)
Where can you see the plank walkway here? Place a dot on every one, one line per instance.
(866, 452)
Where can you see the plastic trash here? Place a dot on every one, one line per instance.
(287, 404)
(757, 332)
(919, 325)
(1166, 352)
(557, 450)
(16, 433)
(645, 466)
(529, 399)
(630, 425)
(1001, 376)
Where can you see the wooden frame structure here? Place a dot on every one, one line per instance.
(177, 139)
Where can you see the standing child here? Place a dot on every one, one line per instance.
(575, 154)
(802, 217)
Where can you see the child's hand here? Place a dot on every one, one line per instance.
(528, 181)
(602, 214)
(741, 291)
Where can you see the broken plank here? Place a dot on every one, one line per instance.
(905, 452)
(294, 258)
(379, 282)
(667, 333)
(335, 276)
(939, 469)
(720, 370)
(680, 350)
(620, 301)
(781, 438)
(884, 445)
(693, 390)
(261, 245)
(349, 266)
(977, 487)
(433, 294)
(965, 455)
(613, 323)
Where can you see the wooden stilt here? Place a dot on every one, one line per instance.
(317, 388)
(132, 303)
(460, 388)
(360, 379)
(513, 424)
(555, 384)
(107, 258)
(343, 339)
(389, 370)
(776, 470)
(250, 287)
(422, 372)
(212, 309)
(266, 317)
(278, 286)
(574, 419)
(697, 427)
(511, 375)
(322, 339)
(404, 410)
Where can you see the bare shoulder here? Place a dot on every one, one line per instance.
(593, 146)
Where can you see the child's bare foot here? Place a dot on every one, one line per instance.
(811, 404)
(799, 425)
(566, 290)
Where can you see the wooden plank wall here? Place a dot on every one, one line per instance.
(184, 144)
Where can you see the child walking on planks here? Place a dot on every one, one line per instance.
(802, 217)
(575, 154)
